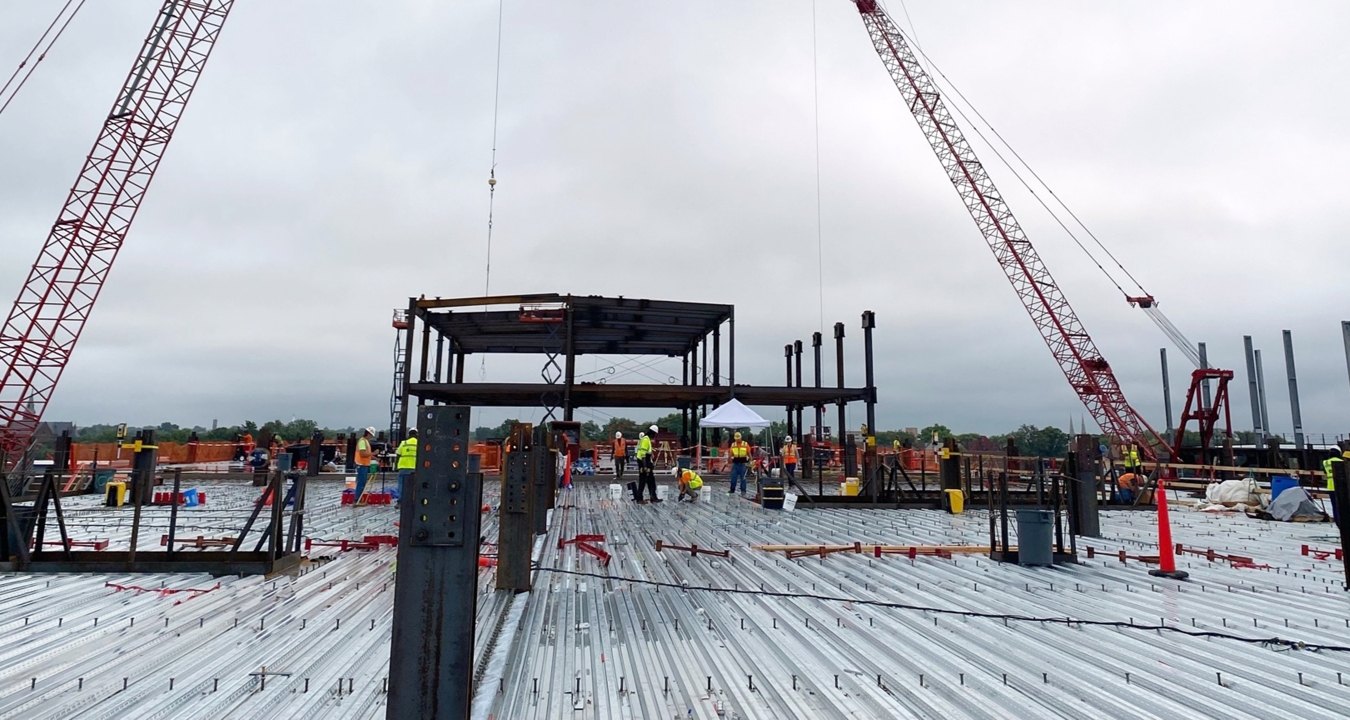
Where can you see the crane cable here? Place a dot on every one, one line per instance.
(815, 100)
(937, 71)
(1154, 313)
(492, 171)
(40, 55)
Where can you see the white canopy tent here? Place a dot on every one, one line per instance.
(733, 414)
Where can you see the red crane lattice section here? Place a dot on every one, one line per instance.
(55, 301)
(1086, 369)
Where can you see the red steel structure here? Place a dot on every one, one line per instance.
(1087, 371)
(55, 301)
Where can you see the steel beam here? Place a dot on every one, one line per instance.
(1261, 389)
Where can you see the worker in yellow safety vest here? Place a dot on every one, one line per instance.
(690, 483)
(646, 471)
(1329, 468)
(1130, 457)
(740, 462)
(407, 460)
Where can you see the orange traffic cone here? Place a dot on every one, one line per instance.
(1167, 561)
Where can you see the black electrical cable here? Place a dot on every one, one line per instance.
(1273, 641)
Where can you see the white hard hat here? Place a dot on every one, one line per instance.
(370, 430)
(655, 429)
(642, 434)
(618, 434)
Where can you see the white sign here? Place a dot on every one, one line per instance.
(615, 491)
(789, 501)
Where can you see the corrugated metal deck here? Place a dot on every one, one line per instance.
(771, 647)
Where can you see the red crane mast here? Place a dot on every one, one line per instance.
(64, 283)
(1082, 363)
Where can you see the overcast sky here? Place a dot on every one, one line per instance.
(334, 161)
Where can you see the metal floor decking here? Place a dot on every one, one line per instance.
(590, 647)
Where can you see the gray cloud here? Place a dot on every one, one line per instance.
(335, 157)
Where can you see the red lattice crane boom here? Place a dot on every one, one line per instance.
(1082, 363)
(64, 283)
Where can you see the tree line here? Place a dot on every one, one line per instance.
(295, 430)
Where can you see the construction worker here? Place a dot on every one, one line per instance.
(648, 480)
(364, 456)
(644, 458)
(1130, 457)
(740, 462)
(1329, 468)
(690, 483)
(790, 459)
(407, 459)
(620, 455)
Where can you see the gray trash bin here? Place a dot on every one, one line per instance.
(1034, 536)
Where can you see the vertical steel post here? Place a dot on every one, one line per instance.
(1261, 389)
(542, 470)
(436, 586)
(407, 358)
(839, 371)
(787, 357)
(426, 350)
(1345, 332)
(869, 323)
(1257, 429)
(1205, 400)
(459, 365)
(731, 351)
(1340, 473)
(1293, 390)
(816, 341)
(570, 362)
(1086, 515)
(797, 353)
(684, 409)
(1167, 391)
(717, 376)
(440, 354)
(515, 535)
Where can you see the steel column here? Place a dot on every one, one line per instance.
(1205, 400)
(869, 323)
(1261, 389)
(440, 354)
(515, 535)
(1167, 391)
(1345, 332)
(787, 356)
(426, 350)
(717, 375)
(839, 369)
(1293, 390)
(407, 358)
(570, 363)
(731, 352)
(816, 342)
(436, 585)
(797, 353)
(1257, 429)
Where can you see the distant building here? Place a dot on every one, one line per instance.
(47, 432)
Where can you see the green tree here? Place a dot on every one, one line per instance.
(926, 434)
(590, 430)
(1040, 442)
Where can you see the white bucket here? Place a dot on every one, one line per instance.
(662, 491)
(615, 491)
(351, 483)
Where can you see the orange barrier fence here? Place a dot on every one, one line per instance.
(169, 452)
